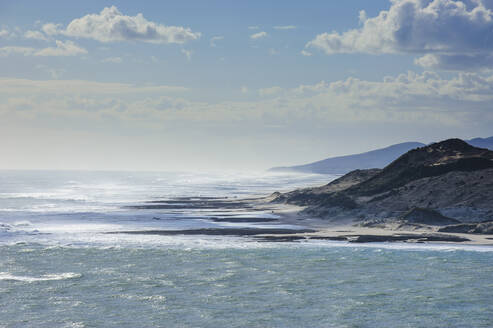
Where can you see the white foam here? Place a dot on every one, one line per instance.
(447, 247)
(46, 277)
(76, 209)
(24, 223)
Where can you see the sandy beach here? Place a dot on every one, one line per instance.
(350, 230)
(301, 227)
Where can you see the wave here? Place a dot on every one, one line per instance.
(47, 277)
(60, 196)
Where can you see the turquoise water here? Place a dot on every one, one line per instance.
(59, 268)
(259, 286)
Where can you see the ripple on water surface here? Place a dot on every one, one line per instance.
(276, 286)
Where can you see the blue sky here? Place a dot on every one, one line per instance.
(166, 85)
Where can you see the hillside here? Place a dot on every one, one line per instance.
(378, 158)
(450, 177)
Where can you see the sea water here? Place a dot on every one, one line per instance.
(59, 268)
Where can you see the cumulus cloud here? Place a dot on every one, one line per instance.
(448, 34)
(285, 27)
(36, 35)
(67, 48)
(110, 25)
(456, 62)
(258, 35)
(213, 40)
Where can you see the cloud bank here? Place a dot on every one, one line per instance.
(458, 101)
(445, 34)
(407, 105)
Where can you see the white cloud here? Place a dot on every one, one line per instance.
(110, 25)
(306, 53)
(213, 40)
(12, 50)
(254, 27)
(448, 31)
(459, 62)
(258, 35)
(51, 28)
(36, 35)
(67, 48)
(244, 89)
(269, 91)
(285, 27)
(114, 60)
(187, 53)
(273, 52)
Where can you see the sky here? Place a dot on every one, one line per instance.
(215, 85)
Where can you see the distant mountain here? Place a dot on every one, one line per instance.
(339, 165)
(378, 158)
(481, 142)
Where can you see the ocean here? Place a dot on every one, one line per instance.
(60, 268)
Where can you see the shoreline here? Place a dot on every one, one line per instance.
(305, 227)
(351, 232)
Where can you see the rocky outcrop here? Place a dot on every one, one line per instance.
(437, 184)
(433, 160)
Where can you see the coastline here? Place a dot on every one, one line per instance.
(287, 223)
(350, 231)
